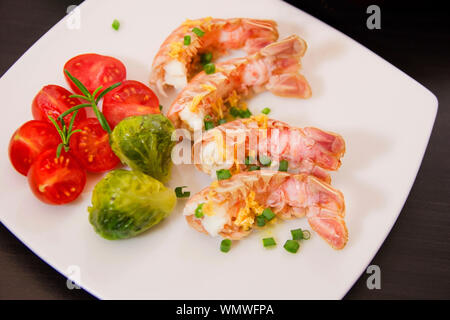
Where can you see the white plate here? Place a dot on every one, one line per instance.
(385, 117)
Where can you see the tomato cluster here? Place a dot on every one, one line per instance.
(33, 147)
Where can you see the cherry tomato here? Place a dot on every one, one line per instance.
(132, 98)
(56, 180)
(94, 70)
(91, 147)
(53, 100)
(29, 141)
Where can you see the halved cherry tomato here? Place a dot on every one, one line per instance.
(132, 98)
(32, 138)
(91, 147)
(56, 180)
(94, 70)
(53, 100)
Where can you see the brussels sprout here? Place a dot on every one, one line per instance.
(126, 203)
(144, 143)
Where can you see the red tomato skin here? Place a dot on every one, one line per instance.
(56, 181)
(31, 139)
(53, 100)
(131, 98)
(95, 70)
(91, 147)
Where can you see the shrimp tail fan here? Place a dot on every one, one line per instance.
(263, 33)
(327, 219)
(285, 80)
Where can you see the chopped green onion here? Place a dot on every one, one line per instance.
(187, 40)
(291, 246)
(248, 160)
(223, 174)
(268, 214)
(234, 112)
(180, 194)
(225, 245)
(239, 113)
(198, 32)
(222, 121)
(245, 113)
(297, 234)
(206, 58)
(199, 211)
(269, 242)
(265, 161)
(260, 221)
(209, 125)
(116, 24)
(265, 110)
(283, 165)
(160, 107)
(253, 168)
(209, 68)
(306, 235)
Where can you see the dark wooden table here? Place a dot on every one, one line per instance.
(415, 258)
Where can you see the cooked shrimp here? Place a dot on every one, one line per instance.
(177, 61)
(274, 68)
(307, 150)
(229, 207)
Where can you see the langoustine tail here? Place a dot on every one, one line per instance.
(330, 147)
(330, 227)
(289, 85)
(326, 216)
(261, 33)
(285, 80)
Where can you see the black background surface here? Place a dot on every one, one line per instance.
(415, 258)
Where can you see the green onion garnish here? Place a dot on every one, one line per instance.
(291, 246)
(297, 234)
(268, 214)
(222, 121)
(234, 112)
(223, 174)
(198, 32)
(187, 40)
(199, 211)
(306, 235)
(239, 113)
(116, 24)
(265, 161)
(180, 194)
(245, 113)
(260, 221)
(269, 242)
(265, 110)
(206, 58)
(248, 160)
(253, 168)
(209, 125)
(283, 165)
(225, 245)
(209, 68)
(160, 107)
